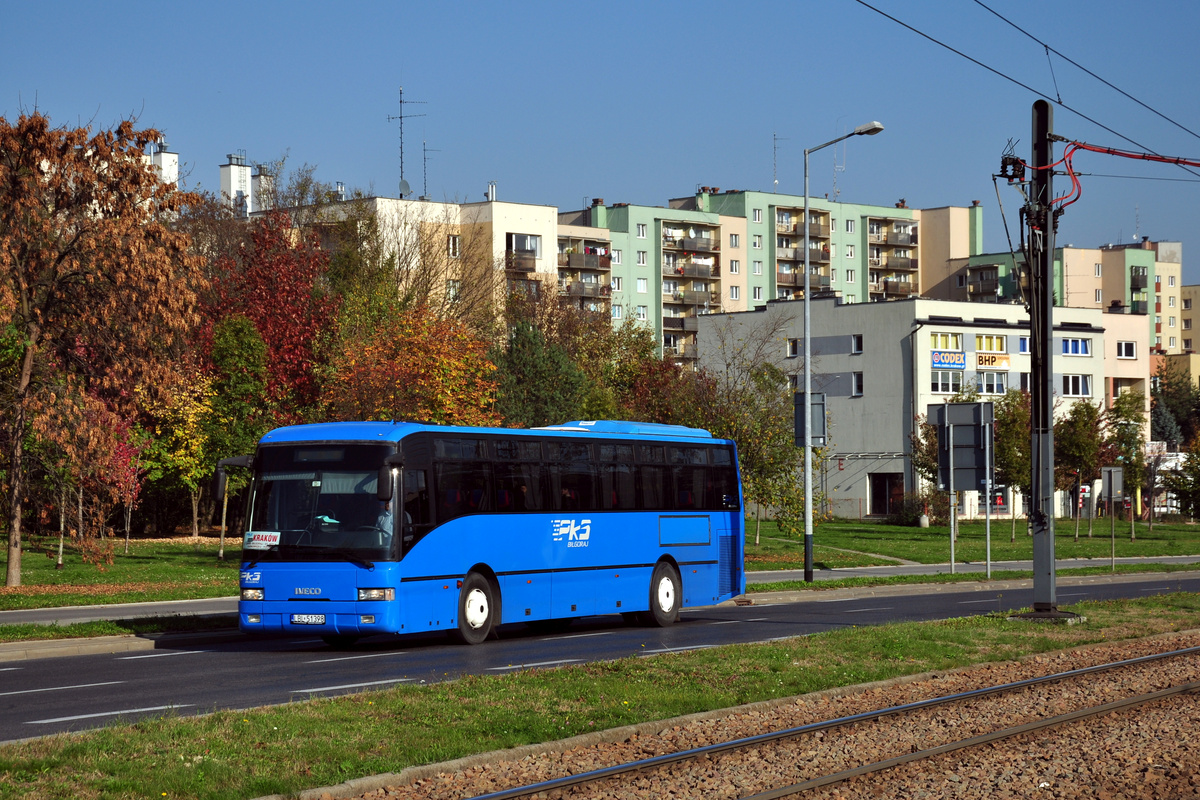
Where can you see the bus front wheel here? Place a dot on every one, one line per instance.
(664, 595)
(476, 609)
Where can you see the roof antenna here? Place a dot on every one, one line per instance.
(404, 188)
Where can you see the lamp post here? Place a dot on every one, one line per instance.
(869, 129)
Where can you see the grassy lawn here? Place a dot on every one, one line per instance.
(858, 544)
(285, 749)
(158, 569)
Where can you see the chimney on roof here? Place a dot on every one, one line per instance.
(901, 203)
(975, 204)
(597, 201)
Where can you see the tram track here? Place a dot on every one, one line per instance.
(807, 759)
(583, 784)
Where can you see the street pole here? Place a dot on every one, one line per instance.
(870, 129)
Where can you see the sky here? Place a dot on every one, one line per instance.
(640, 102)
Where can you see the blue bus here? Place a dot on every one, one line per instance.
(364, 528)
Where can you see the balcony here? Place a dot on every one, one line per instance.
(908, 264)
(581, 289)
(892, 237)
(680, 323)
(787, 227)
(788, 279)
(693, 298)
(788, 253)
(818, 255)
(690, 271)
(520, 260)
(1137, 279)
(986, 286)
(817, 230)
(1137, 307)
(816, 283)
(700, 245)
(899, 288)
(585, 261)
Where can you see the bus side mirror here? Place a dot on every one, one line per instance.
(383, 487)
(222, 479)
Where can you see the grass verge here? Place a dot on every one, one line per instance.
(284, 749)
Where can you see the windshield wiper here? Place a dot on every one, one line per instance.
(351, 556)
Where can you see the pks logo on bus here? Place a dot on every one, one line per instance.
(251, 577)
(574, 533)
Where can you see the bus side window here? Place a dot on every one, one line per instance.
(462, 488)
(416, 517)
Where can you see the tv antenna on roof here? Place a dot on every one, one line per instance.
(425, 151)
(775, 140)
(404, 188)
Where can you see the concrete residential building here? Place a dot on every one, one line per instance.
(882, 364)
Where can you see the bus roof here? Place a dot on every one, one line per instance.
(396, 430)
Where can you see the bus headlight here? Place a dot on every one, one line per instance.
(252, 594)
(377, 594)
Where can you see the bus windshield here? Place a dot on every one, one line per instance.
(318, 503)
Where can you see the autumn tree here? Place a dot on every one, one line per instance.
(1012, 448)
(278, 287)
(1077, 453)
(1123, 441)
(415, 367)
(181, 451)
(92, 278)
(1178, 396)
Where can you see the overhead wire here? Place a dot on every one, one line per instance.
(1077, 65)
(1013, 80)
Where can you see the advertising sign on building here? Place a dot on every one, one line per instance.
(991, 361)
(949, 359)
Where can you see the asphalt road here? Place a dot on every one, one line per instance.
(41, 695)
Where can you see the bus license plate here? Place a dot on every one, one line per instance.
(308, 619)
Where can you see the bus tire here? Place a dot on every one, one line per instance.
(664, 595)
(476, 609)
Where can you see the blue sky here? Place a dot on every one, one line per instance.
(639, 102)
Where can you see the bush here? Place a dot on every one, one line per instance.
(935, 504)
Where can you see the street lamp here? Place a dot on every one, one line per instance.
(869, 129)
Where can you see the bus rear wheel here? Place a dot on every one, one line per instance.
(476, 609)
(664, 595)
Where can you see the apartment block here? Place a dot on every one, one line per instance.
(881, 365)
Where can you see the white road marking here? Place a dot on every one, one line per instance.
(577, 636)
(160, 655)
(105, 714)
(728, 621)
(351, 658)
(352, 686)
(992, 601)
(860, 610)
(1157, 589)
(538, 664)
(61, 688)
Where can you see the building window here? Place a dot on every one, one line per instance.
(946, 381)
(453, 245)
(1171, 342)
(1097, 270)
(641, 230)
(735, 240)
(849, 226)
(783, 294)
(1187, 323)
(990, 343)
(856, 343)
(642, 286)
(1158, 319)
(1187, 344)
(617, 283)
(758, 293)
(849, 251)
(1076, 347)
(1099, 298)
(856, 384)
(1170, 322)
(641, 313)
(1126, 350)
(525, 243)
(758, 268)
(793, 348)
(735, 266)
(616, 311)
(1158, 340)
(1171, 301)
(962, 280)
(1026, 386)
(641, 258)
(945, 341)
(1187, 304)
(735, 293)
(453, 290)
(832, 275)
(756, 241)
(616, 256)
(992, 382)
(1023, 345)
(849, 276)
(1077, 385)
(758, 215)
(1170, 280)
